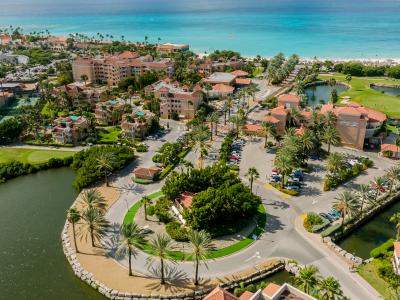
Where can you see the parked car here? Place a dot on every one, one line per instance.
(293, 188)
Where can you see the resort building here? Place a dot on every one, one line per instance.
(20, 89)
(175, 99)
(279, 116)
(356, 124)
(221, 78)
(76, 96)
(57, 43)
(271, 292)
(70, 130)
(396, 258)
(289, 101)
(146, 173)
(109, 112)
(5, 98)
(168, 48)
(112, 69)
(220, 90)
(253, 130)
(240, 74)
(136, 124)
(390, 150)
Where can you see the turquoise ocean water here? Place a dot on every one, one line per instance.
(333, 29)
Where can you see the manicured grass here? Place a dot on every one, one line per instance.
(33, 156)
(258, 71)
(108, 134)
(178, 255)
(370, 273)
(362, 93)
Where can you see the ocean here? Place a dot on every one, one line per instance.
(324, 29)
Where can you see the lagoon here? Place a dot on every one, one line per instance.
(317, 92)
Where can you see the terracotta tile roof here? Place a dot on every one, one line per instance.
(271, 289)
(243, 81)
(375, 116)
(148, 172)
(271, 119)
(223, 88)
(186, 199)
(240, 73)
(253, 127)
(128, 55)
(397, 248)
(220, 294)
(326, 107)
(348, 110)
(306, 114)
(280, 110)
(246, 295)
(390, 147)
(289, 98)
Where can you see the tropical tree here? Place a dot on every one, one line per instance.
(188, 165)
(377, 185)
(161, 244)
(199, 136)
(362, 193)
(131, 237)
(346, 203)
(396, 219)
(95, 224)
(335, 162)
(74, 217)
(294, 116)
(238, 121)
(307, 278)
(394, 175)
(348, 78)
(213, 118)
(145, 200)
(93, 199)
(329, 288)
(201, 246)
(285, 165)
(269, 129)
(331, 137)
(229, 102)
(252, 174)
(105, 163)
(84, 78)
(330, 119)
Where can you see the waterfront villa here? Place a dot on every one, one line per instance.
(137, 123)
(168, 48)
(109, 112)
(271, 292)
(111, 69)
(70, 130)
(396, 258)
(175, 99)
(289, 101)
(356, 124)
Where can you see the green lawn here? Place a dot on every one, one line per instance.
(178, 255)
(370, 273)
(33, 156)
(362, 93)
(108, 134)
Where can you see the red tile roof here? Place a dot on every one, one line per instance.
(243, 81)
(280, 110)
(223, 88)
(148, 172)
(300, 130)
(289, 98)
(220, 294)
(186, 199)
(240, 73)
(306, 114)
(355, 109)
(271, 289)
(128, 55)
(246, 295)
(271, 119)
(390, 147)
(253, 127)
(397, 248)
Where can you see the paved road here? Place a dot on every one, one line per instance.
(284, 235)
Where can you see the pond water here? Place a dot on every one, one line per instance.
(318, 92)
(32, 214)
(372, 234)
(392, 91)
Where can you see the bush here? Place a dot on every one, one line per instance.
(150, 210)
(331, 230)
(176, 231)
(10, 129)
(141, 148)
(382, 249)
(310, 220)
(161, 210)
(386, 272)
(288, 192)
(142, 181)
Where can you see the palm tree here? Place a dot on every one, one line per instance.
(73, 217)
(329, 288)
(161, 244)
(229, 101)
(330, 119)
(335, 162)
(145, 200)
(131, 237)
(237, 121)
(377, 185)
(307, 278)
(188, 165)
(252, 174)
(294, 116)
(105, 163)
(84, 78)
(396, 219)
(269, 129)
(199, 136)
(394, 175)
(331, 137)
(212, 119)
(285, 165)
(307, 142)
(346, 204)
(348, 78)
(201, 246)
(95, 224)
(93, 199)
(362, 192)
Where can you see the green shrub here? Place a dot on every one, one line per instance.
(150, 210)
(331, 230)
(165, 171)
(286, 191)
(176, 231)
(386, 273)
(161, 210)
(142, 181)
(382, 249)
(136, 102)
(141, 148)
(310, 220)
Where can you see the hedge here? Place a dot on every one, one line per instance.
(142, 181)
(286, 191)
(176, 231)
(382, 249)
(331, 230)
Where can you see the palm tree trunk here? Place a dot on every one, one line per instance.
(105, 177)
(73, 230)
(283, 181)
(196, 275)
(225, 117)
(162, 272)
(329, 147)
(266, 141)
(211, 130)
(91, 237)
(341, 225)
(251, 184)
(145, 211)
(130, 261)
(216, 129)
